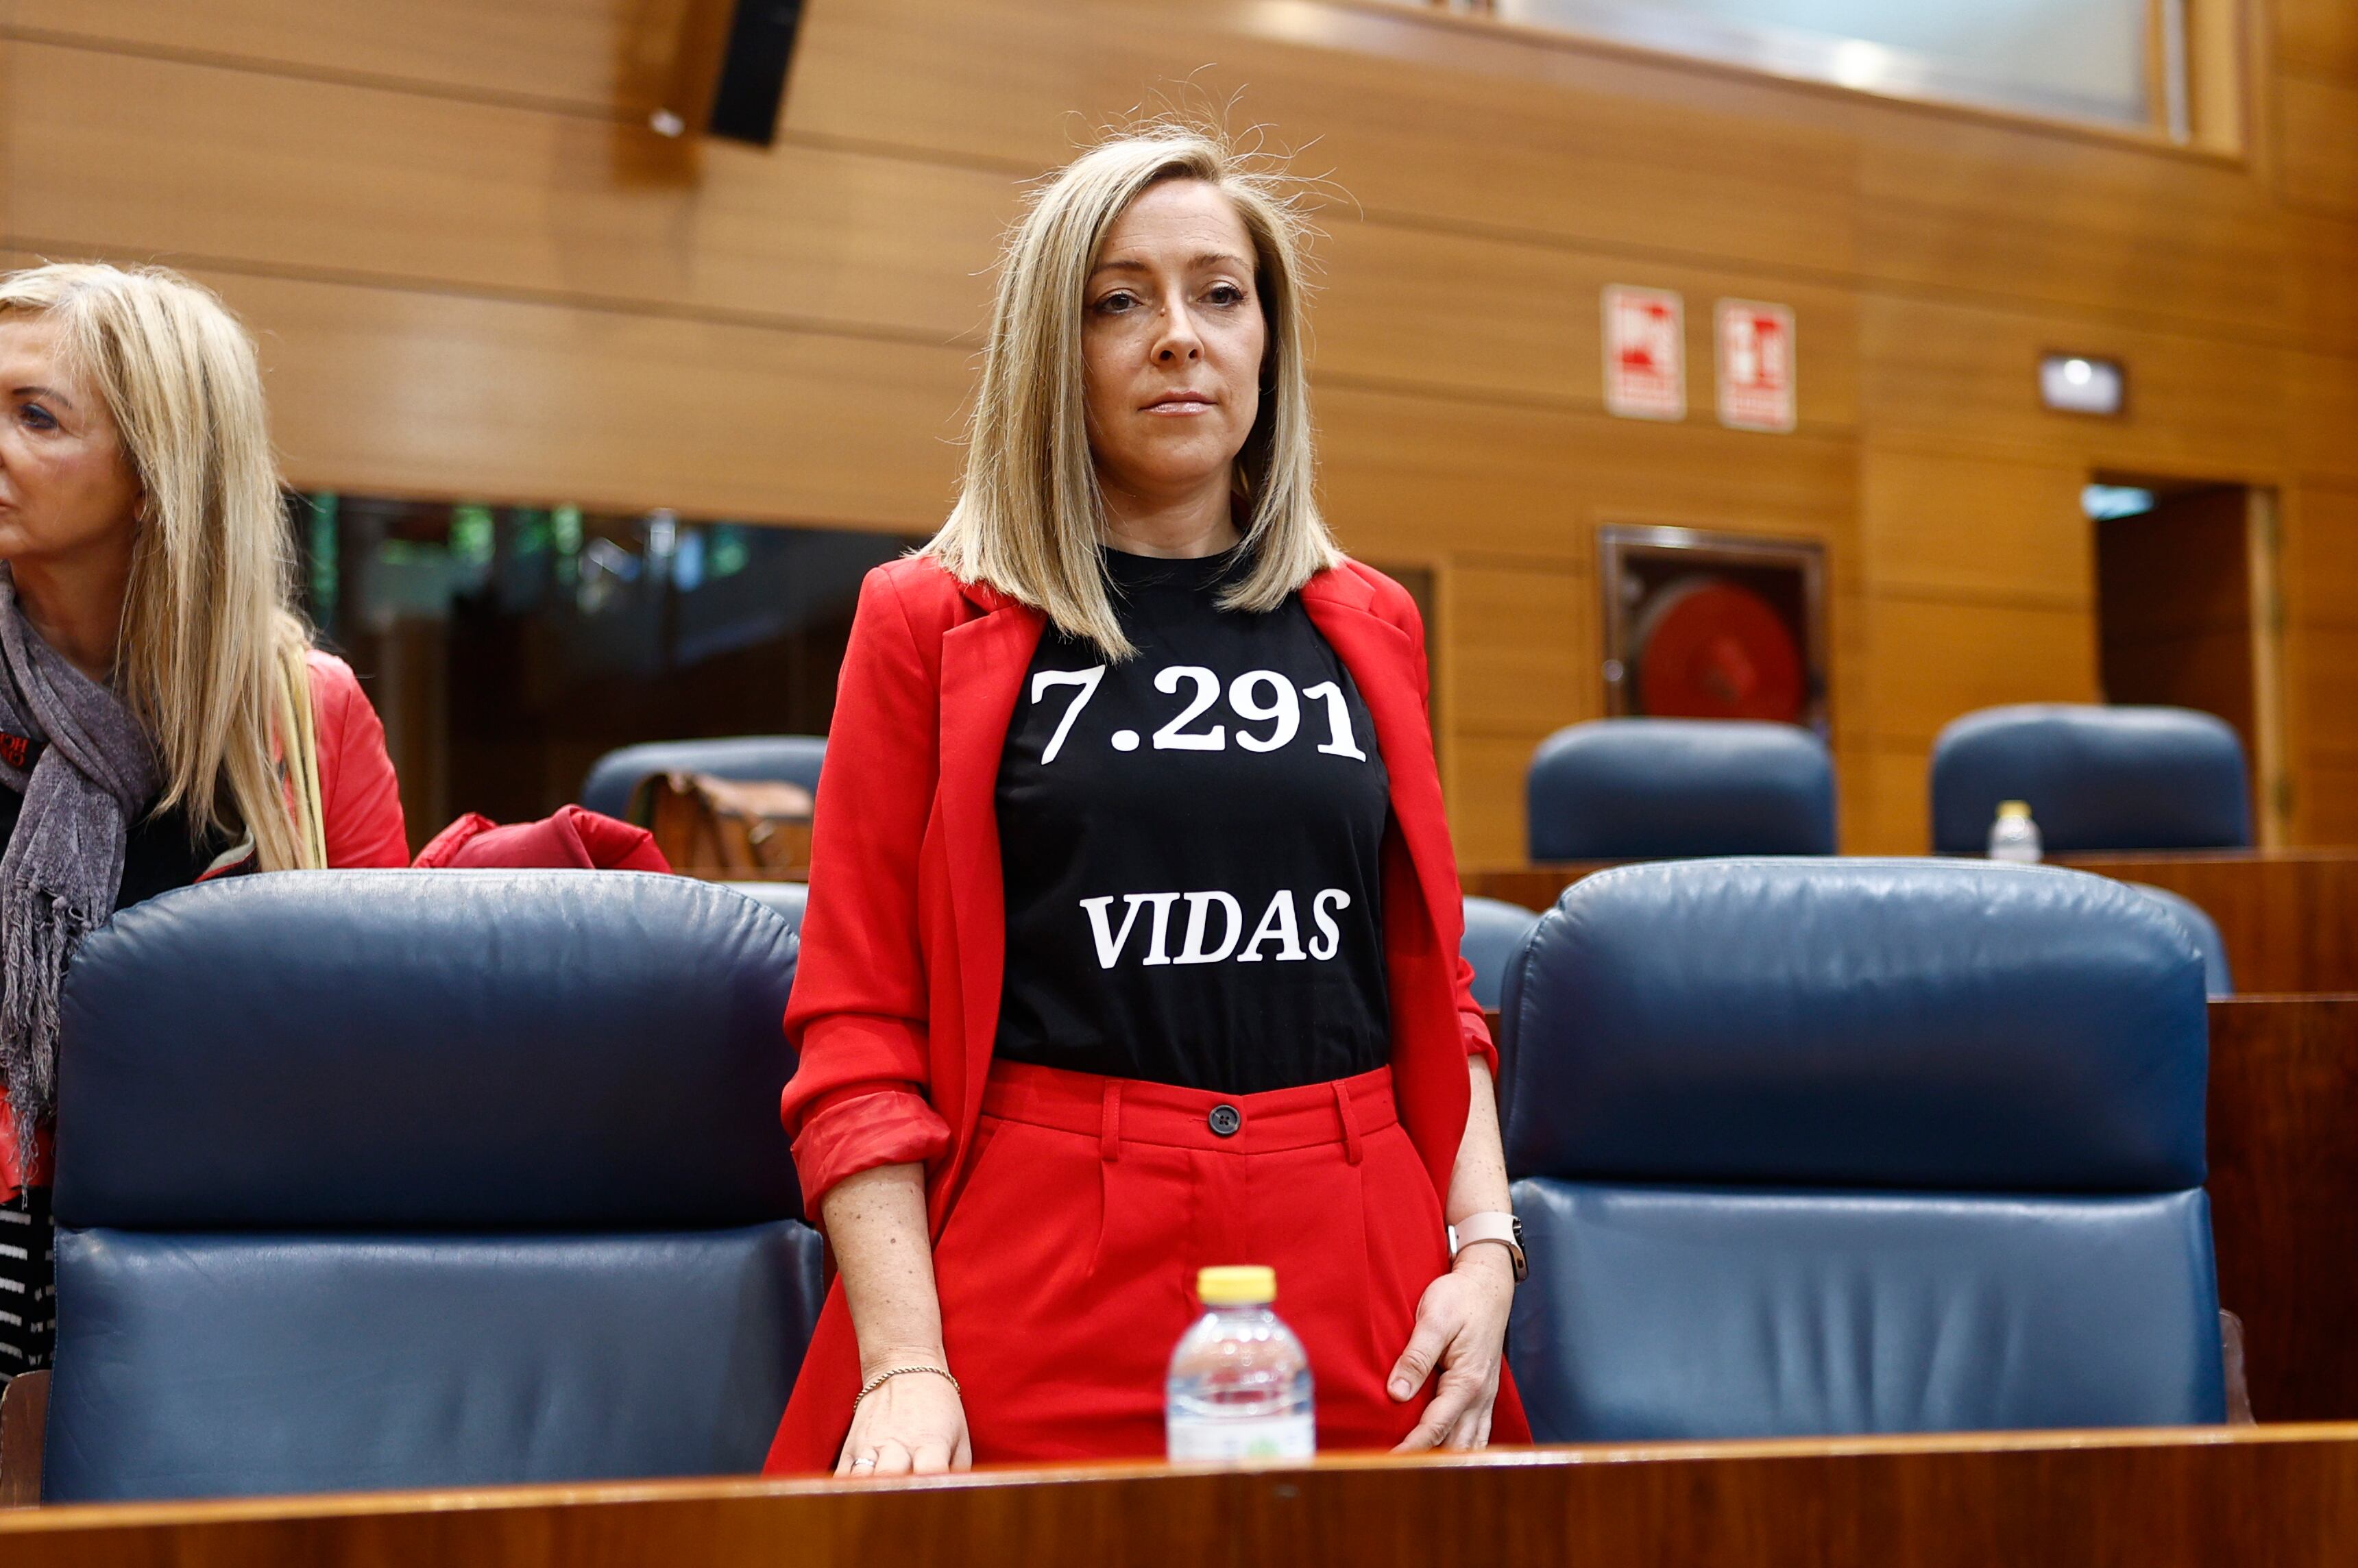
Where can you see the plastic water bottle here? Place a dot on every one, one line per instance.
(1239, 1384)
(2014, 836)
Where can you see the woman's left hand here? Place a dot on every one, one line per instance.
(1461, 1326)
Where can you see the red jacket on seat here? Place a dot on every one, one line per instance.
(574, 838)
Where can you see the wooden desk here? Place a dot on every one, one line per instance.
(1534, 887)
(2284, 1196)
(2289, 917)
(2283, 1497)
(2284, 1185)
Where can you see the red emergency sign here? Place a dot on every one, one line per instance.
(1645, 354)
(1756, 365)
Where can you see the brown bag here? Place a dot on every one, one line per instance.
(732, 830)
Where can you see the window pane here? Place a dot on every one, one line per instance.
(507, 647)
(2083, 58)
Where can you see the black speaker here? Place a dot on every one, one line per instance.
(754, 70)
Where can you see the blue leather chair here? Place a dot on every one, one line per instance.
(1494, 929)
(2095, 778)
(784, 899)
(615, 779)
(1860, 1146)
(2218, 978)
(1655, 789)
(424, 1178)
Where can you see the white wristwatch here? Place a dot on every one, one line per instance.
(1495, 1226)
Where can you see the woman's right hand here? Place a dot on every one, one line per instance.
(910, 1425)
(915, 1423)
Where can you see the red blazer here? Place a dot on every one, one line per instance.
(359, 799)
(895, 1004)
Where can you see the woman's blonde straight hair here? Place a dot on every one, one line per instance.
(212, 657)
(1029, 515)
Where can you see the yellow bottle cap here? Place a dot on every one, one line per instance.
(1241, 1285)
(2014, 808)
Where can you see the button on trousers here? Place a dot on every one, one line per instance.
(1067, 1269)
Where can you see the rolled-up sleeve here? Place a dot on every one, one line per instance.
(1472, 1024)
(859, 1098)
(858, 1129)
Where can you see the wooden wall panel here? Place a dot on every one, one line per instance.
(1405, 473)
(2320, 557)
(2324, 302)
(2325, 801)
(568, 52)
(2325, 414)
(1522, 664)
(2327, 698)
(2318, 147)
(1885, 799)
(1942, 199)
(2317, 36)
(1936, 659)
(1524, 660)
(438, 214)
(2319, 571)
(1520, 154)
(521, 401)
(151, 157)
(7, 124)
(1486, 802)
(1937, 523)
(1969, 374)
(1498, 318)
(2008, 211)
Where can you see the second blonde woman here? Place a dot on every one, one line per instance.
(164, 718)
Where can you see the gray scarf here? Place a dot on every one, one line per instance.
(95, 774)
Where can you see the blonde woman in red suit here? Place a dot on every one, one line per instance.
(1133, 925)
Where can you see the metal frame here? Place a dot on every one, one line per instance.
(1866, 65)
(1617, 542)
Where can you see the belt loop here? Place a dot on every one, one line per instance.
(1109, 1130)
(1351, 1147)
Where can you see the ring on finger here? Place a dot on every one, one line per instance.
(865, 1462)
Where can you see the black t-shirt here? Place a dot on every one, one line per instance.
(1192, 842)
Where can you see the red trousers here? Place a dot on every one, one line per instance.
(1067, 1268)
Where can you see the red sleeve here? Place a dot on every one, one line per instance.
(1398, 606)
(359, 799)
(860, 1005)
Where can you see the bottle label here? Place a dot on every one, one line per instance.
(1219, 1439)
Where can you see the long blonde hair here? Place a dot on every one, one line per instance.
(212, 659)
(1029, 513)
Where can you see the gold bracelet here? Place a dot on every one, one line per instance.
(882, 1378)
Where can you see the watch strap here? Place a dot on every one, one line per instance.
(1494, 1225)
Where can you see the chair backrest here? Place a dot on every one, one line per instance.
(1494, 929)
(614, 780)
(2218, 977)
(1649, 789)
(784, 899)
(1839, 1146)
(2095, 778)
(424, 1178)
